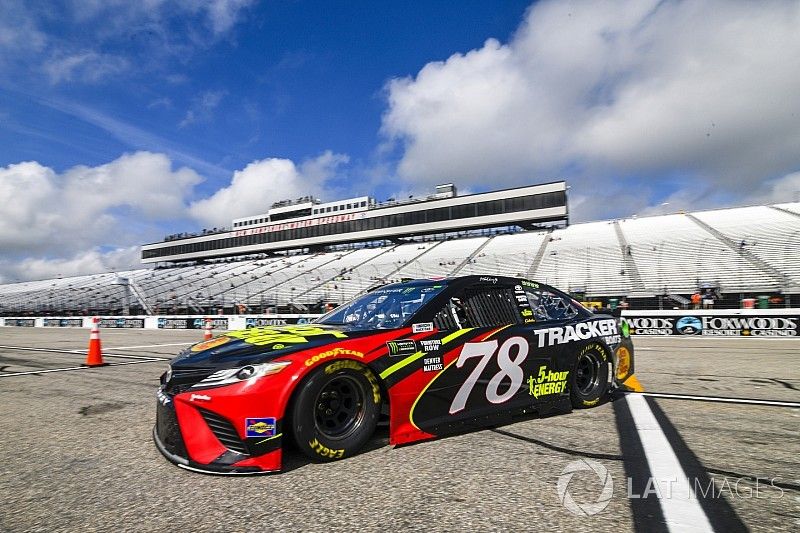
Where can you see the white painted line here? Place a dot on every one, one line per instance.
(123, 356)
(83, 352)
(78, 368)
(681, 508)
(720, 399)
(152, 345)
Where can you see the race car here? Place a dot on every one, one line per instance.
(431, 357)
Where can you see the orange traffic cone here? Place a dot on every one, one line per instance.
(208, 333)
(95, 355)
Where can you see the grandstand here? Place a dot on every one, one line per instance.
(742, 251)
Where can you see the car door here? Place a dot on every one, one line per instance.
(498, 369)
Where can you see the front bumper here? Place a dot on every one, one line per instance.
(205, 469)
(198, 439)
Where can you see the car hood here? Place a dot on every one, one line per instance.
(259, 345)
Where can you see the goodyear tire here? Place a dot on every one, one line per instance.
(336, 410)
(590, 375)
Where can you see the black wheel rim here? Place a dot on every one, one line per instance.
(587, 373)
(339, 408)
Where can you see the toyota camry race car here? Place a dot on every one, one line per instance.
(434, 357)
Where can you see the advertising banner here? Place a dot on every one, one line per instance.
(720, 324)
(260, 322)
(189, 322)
(20, 322)
(122, 322)
(62, 322)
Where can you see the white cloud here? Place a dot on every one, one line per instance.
(90, 67)
(595, 92)
(134, 136)
(93, 219)
(223, 14)
(127, 38)
(202, 108)
(85, 262)
(254, 189)
(51, 214)
(156, 16)
(18, 28)
(784, 189)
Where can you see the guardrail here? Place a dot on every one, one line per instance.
(227, 322)
(700, 322)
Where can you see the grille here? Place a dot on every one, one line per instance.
(184, 378)
(168, 431)
(224, 431)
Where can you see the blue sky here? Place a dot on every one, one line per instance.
(121, 122)
(289, 79)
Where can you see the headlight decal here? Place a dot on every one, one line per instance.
(228, 376)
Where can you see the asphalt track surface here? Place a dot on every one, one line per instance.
(76, 452)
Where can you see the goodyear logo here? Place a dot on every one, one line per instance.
(333, 353)
(260, 427)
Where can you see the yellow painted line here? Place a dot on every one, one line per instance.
(269, 438)
(411, 358)
(633, 385)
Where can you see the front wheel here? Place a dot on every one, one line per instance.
(336, 410)
(590, 376)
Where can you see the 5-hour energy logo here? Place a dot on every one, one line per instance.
(547, 382)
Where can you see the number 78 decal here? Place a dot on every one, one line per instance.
(508, 367)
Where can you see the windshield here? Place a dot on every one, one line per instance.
(382, 308)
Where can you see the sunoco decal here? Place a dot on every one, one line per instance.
(260, 427)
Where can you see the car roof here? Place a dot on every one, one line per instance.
(461, 281)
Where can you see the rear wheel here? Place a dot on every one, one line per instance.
(336, 410)
(590, 376)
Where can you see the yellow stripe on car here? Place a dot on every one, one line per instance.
(442, 371)
(269, 438)
(411, 358)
